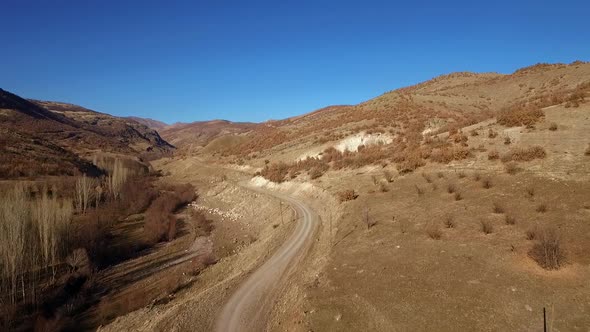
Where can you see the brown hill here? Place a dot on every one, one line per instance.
(50, 138)
(196, 135)
(445, 102)
(150, 123)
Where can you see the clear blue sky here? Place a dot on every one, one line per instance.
(253, 61)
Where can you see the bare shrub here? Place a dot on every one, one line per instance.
(440, 175)
(532, 233)
(449, 222)
(486, 183)
(383, 187)
(520, 116)
(275, 172)
(461, 175)
(510, 220)
(434, 232)
(493, 155)
(85, 191)
(541, 208)
(476, 177)
(446, 155)
(524, 154)
(548, 251)
(487, 227)
(427, 177)
(160, 223)
(507, 140)
(419, 190)
(451, 188)
(492, 133)
(530, 192)
(410, 164)
(587, 152)
(367, 217)
(458, 196)
(553, 126)
(498, 208)
(388, 176)
(347, 195)
(511, 168)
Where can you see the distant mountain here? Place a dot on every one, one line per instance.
(199, 134)
(52, 138)
(151, 123)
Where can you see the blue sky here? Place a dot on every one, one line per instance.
(255, 60)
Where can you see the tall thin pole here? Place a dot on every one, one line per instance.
(544, 321)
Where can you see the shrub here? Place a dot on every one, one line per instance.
(541, 208)
(160, 223)
(446, 155)
(451, 188)
(419, 190)
(520, 116)
(458, 196)
(476, 177)
(410, 164)
(487, 227)
(530, 192)
(525, 154)
(449, 222)
(492, 133)
(316, 172)
(383, 187)
(532, 233)
(347, 195)
(493, 155)
(587, 152)
(388, 176)
(434, 232)
(553, 126)
(461, 175)
(275, 172)
(510, 220)
(511, 168)
(427, 177)
(548, 252)
(507, 140)
(486, 183)
(497, 208)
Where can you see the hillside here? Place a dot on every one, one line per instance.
(446, 102)
(51, 138)
(196, 135)
(150, 123)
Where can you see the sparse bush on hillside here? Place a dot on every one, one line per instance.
(507, 140)
(511, 168)
(347, 195)
(446, 155)
(524, 154)
(493, 155)
(520, 116)
(553, 126)
(275, 172)
(449, 222)
(410, 164)
(458, 196)
(541, 208)
(486, 183)
(510, 220)
(160, 222)
(492, 133)
(487, 227)
(498, 208)
(434, 232)
(548, 251)
(388, 176)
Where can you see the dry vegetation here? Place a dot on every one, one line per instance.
(524, 154)
(58, 233)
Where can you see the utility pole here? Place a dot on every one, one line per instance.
(281, 210)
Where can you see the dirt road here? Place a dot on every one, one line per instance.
(249, 307)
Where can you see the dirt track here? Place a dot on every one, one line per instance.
(249, 307)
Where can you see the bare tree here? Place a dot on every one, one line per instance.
(84, 193)
(117, 178)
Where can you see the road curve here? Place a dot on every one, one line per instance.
(248, 308)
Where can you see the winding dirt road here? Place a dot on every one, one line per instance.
(249, 307)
